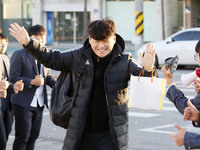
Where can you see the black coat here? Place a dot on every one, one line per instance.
(117, 76)
(23, 67)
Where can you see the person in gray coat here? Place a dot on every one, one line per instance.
(99, 117)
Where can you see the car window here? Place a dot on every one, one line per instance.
(196, 35)
(184, 36)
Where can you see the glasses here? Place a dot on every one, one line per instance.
(3, 44)
(196, 56)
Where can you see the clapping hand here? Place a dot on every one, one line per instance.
(3, 88)
(3, 93)
(38, 80)
(18, 86)
(4, 84)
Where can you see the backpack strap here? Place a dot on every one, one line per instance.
(81, 68)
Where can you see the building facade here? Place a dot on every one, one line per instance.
(64, 19)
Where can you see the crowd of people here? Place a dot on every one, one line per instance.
(99, 116)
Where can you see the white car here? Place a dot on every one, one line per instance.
(181, 43)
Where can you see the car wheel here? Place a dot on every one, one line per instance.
(156, 64)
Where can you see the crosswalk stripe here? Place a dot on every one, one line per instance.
(144, 115)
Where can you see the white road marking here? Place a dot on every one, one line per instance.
(144, 115)
(170, 108)
(157, 129)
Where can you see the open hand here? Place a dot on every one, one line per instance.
(149, 57)
(19, 33)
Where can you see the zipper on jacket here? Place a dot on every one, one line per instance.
(107, 101)
(93, 115)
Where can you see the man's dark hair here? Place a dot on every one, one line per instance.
(102, 29)
(2, 36)
(37, 30)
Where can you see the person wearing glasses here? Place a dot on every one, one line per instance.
(6, 88)
(189, 139)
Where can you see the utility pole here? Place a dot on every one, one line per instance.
(163, 19)
(139, 23)
(85, 21)
(1, 15)
(22, 13)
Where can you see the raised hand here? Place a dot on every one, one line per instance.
(18, 86)
(179, 136)
(191, 113)
(4, 84)
(19, 33)
(149, 57)
(168, 75)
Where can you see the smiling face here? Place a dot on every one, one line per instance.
(102, 47)
(102, 36)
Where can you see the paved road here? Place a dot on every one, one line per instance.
(148, 130)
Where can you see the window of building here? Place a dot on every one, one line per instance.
(16, 11)
(68, 26)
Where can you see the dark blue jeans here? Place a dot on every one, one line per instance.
(96, 141)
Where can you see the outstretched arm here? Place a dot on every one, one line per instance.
(49, 58)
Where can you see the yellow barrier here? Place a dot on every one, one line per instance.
(139, 26)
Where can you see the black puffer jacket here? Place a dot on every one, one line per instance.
(116, 78)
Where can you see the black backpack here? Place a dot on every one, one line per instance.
(61, 97)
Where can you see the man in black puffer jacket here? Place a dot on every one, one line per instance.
(99, 119)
